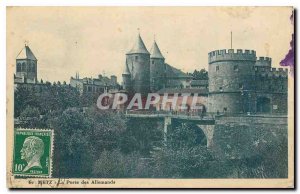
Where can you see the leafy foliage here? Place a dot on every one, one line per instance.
(103, 143)
(141, 135)
(32, 112)
(115, 164)
(79, 139)
(199, 75)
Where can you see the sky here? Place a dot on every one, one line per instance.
(94, 40)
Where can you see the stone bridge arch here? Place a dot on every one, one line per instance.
(208, 131)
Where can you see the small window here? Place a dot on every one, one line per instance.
(221, 88)
(235, 68)
(23, 67)
(18, 67)
(32, 67)
(153, 62)
(217, 68)
(29, 67)
(241, 86)
(136, 57)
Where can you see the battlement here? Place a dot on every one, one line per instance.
(271, 72)
(263, 62)
(264, 59)
(231, 55)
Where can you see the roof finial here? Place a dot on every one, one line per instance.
(138, 30)
(231, 39)
(154, 37)
(26, 42)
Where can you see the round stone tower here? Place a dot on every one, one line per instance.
(127, 79)
(231, 81)
(138, 61)
(157, 68)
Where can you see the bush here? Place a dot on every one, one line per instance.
(184, 162)
(80, 137)
(115, 164)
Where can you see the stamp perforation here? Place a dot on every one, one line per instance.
(51, 148)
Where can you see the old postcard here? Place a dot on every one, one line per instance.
(150, 97)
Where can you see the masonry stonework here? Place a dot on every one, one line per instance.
(241, 83)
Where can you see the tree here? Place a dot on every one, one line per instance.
(23, 98)
(115, 164)
(141, 135)
(199, 75)
(81, 136)
(30, 112)
(71, 146)
(183, 162)
(183, 156)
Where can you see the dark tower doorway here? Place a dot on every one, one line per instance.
(263, 105)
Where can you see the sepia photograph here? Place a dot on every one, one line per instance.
(150, 97)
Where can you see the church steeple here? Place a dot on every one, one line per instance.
(26, 53)
(26, 65)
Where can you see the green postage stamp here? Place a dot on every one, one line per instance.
(33, 151)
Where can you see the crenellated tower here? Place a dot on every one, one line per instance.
(241, 83)
(231, 80)
(263, 63)
(271, 89)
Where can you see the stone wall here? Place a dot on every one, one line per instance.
(228, 79)
(139, 66)
(157, 73)
(245, 137)
(241, 83)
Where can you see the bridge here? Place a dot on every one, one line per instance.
(207, 119)
(205, 122)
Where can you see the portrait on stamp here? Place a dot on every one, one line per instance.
(33, 152)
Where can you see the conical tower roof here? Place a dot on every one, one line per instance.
(155, 52)
(139, 47)
(26, 53)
